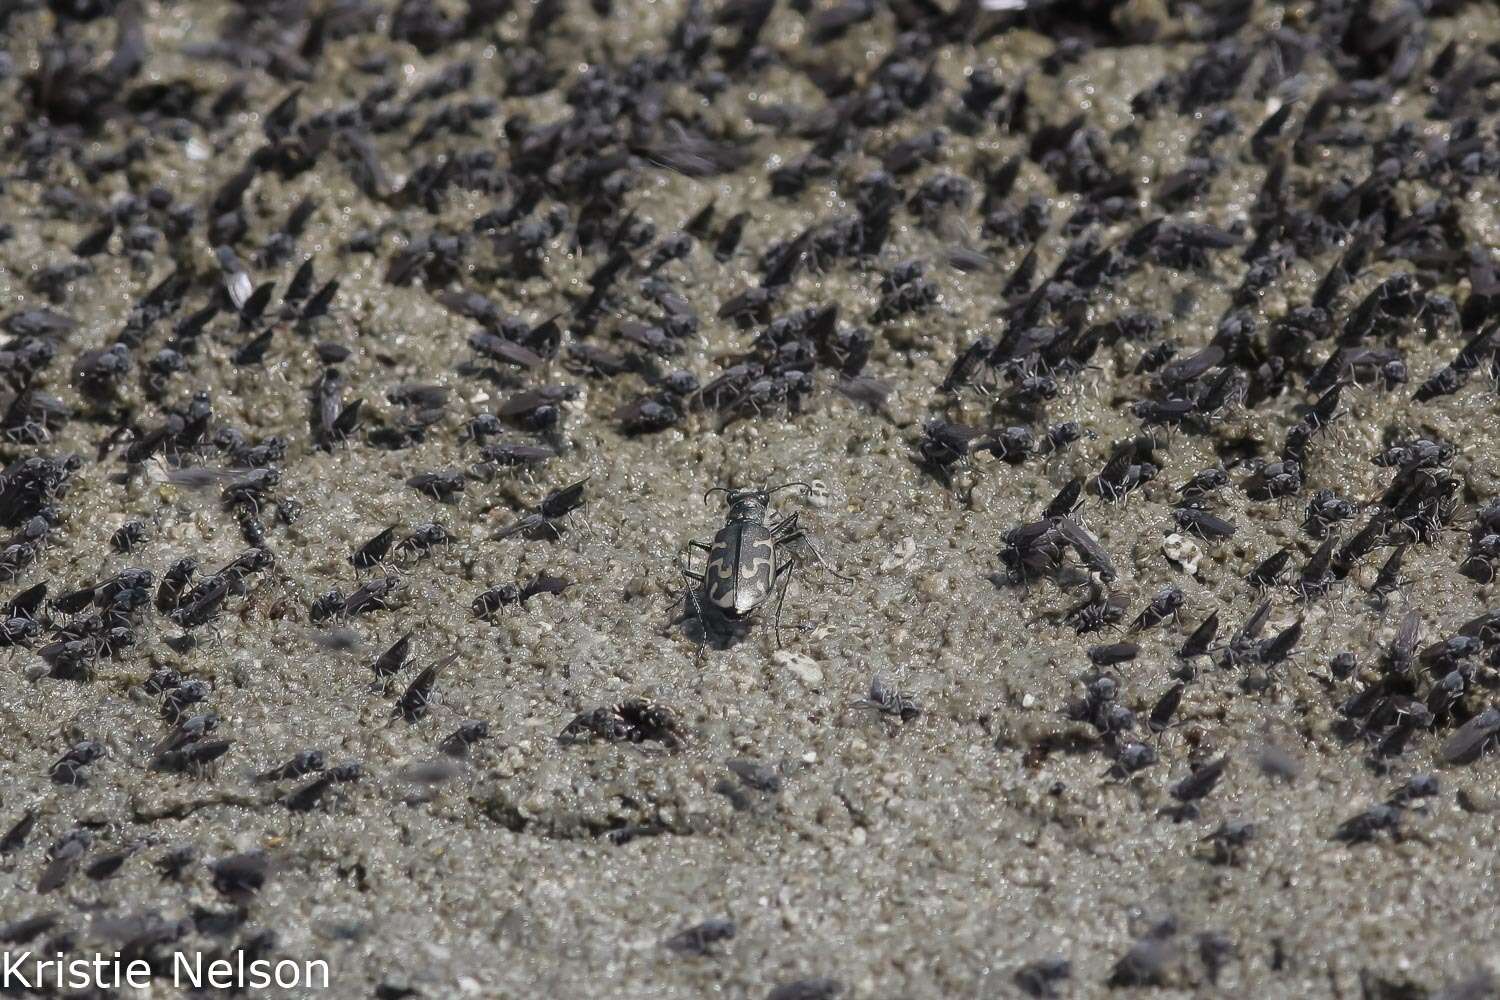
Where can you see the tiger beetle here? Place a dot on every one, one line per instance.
(750, 560)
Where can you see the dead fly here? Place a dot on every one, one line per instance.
(414, 702)
(889, 701)
(635, 720)
(546, 517)
(750, 559)
(1101, 610)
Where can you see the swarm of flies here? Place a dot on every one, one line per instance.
(198, 362)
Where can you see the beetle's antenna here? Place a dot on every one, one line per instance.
(806, 487)
(716, 489)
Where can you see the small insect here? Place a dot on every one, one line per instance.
(750, 559)
(1120, 476)
(1228, 840)
(128, 536)
(193, 757)
(424, 538)
(1112, 654)
(15, 837)
(417, 698)
(889, 701)
(1087, 548)
(372, 596)
(68, 769)
(443, 485)
(63, 858)
(1130, 757)
(1067, 501)
(1040, 979)
(1389, 579)
(545, 517)
(1268, 573)
(1202, 781)
(699, 939)
(1361, 828)
(371, 553)
(307, 796)
(515, 456)
(1198, 522)
(1473, 738)
(302, 763)
(1400, 657)
(1100, 610)
(389, 663)
(1165, 606)
(205, 606)
(469, 732)
(1317, 577)
(635, 720)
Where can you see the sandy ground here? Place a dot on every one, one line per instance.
(930, 858)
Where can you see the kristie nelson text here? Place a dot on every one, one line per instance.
(23, 970)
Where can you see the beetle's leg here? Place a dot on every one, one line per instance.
(692, 583)
(782, 578)
(789, 534)
(685, 558)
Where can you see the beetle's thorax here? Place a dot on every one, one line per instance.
(746, 508)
